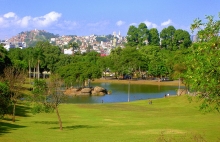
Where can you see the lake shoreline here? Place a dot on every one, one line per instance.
(147, 82)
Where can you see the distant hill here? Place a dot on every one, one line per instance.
(32, 37)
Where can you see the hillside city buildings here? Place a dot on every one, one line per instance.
(86, 43)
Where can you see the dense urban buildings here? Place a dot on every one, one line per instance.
(102, 44)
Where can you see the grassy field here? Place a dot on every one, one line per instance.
(167, 119)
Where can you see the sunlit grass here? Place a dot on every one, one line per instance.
(167, 119)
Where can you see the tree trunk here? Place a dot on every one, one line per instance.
(13, 112)
(34, 72)
(29, 64)
(58, 115)
(38, 67)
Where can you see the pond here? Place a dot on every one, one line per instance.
(120, 93)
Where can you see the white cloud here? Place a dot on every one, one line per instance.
(24, 22)
(120, 23)
(47, 19)
(11, 20)
(150, 24)
(70, 25)
(154, 25)
(1, 20)
(168, 22)
(10, 15)
(133, 24)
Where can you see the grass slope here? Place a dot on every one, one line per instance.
(167, 119)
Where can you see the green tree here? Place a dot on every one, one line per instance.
(17, 58)
(132, 36)
(181, 39)
(4, 99)
(155, 61)
(104, 63)
(15, 79)
(158, 64)
(40, 91)
(48, 97)
(143, 34)
(101, 38)
(89, 48)
(115, 61)
(51, 57)
(167, 37)
(177, 64)
(29, 59)
(154, 38)
(84, 68)
(203, 70)
(130, 60)
(74, 45)
(4, 59)
(91, 57)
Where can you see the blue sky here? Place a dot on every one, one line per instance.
(100, 17)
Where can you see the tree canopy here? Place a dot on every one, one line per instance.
(202, 73)
(4, 99)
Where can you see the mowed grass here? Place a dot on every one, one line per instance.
(167, 119)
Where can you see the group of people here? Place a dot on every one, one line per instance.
(166, 95)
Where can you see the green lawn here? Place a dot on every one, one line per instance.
(167, 119)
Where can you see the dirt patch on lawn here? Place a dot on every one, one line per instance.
(160, 131)
(149, 82)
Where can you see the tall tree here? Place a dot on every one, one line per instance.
(56, 95)
(51, 57)
(15, 79)
(154, 38)
(115, 60)
(4, 99)
(143, 34)
(130, 60)
(4, 59)
(17, 57)
(132, 36)
(181, 39)
(203, 72)
(48, 96)
(167, 37)
(104, 63)
(85, 68)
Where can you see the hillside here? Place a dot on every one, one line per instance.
(31, 37)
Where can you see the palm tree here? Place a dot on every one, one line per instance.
(38, 58)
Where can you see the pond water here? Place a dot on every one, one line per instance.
(120, 93)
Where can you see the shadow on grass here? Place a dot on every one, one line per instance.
(20, 110)
(67, 127)
(8, 127)
(46, 122)
(75, 127)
